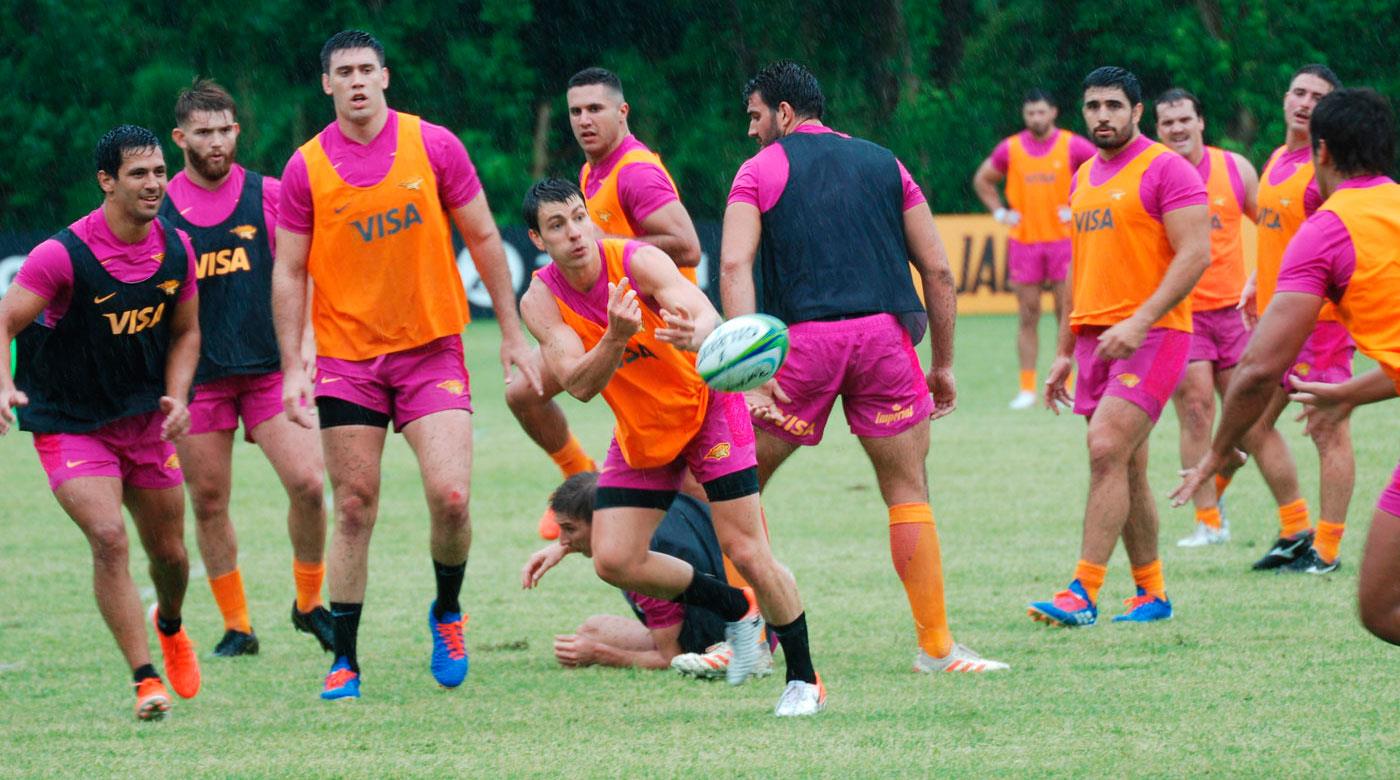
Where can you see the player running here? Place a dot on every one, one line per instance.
(616, 317)
(366, 210)
(629, 194)
(1141, 241)
(107, 324)
(1346, 253)
(1036, 164)
(1288, 194)
(230, 214)
(1218, 332)
(834, 220)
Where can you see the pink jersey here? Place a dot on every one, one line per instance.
(762, 178)
(1080, 149)
(208, 208)
(1288, 162)
(1321, 257)
(642, 188)
(1231, 167)
(365, 165)
(1170, 182)
(48, 271)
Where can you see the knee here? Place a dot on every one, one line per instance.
(355, 507)
(450, 502)
(522, 399)
(592, 628)
(615, 567)
(307, 489)
(1197, 413)
(749, 555)
(109, 545)
(1376, 610)
(1029, 317)
(1106, 452)
(208, 502)
(169, 551)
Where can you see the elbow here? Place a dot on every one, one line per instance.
(730, 267)
(689, 255)
(580, 391)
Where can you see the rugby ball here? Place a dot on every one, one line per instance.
(743, 353)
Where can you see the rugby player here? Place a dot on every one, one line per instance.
(106, 318)
(1141, 241)
(366, 211)
(230, 215)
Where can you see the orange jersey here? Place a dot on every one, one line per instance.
(605, 207)
(1281, 213)
(1037, 187)
(384, 271)
(657, 397)
(1220, 286)
(1369, 306)
(1121, 252)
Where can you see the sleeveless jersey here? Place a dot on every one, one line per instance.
(1037, 187)
(105, 358)
(1221, 284)
(657, 398)
(1121, 252)
(1371, 216)
(381, 256)
(1280, 215)
(605, 207)
(235, 287)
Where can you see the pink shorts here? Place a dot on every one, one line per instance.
(868, 361)
(404, 385)
(1389, 500)
(1218, 336)
(1039, 263)
(217, 405)
(1326, 355)
(129, 449)
(1147, 379)
(723, 445)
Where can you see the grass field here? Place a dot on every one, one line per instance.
(1256, 675)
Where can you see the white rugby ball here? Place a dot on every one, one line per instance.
(743, 353)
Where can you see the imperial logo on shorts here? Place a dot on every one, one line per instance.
(245, 232)
(897, 412)
(1129, 380)
(1302, 369)
(718, 452)
(172, 463)
(453, 386)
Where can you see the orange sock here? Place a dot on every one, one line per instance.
(1293, 518)
(571, 459)
(1028, 381)
(308, 577)
(919, 564)
(1221, 482)
(1090, 575)
(1149, 578)
(228, 594)
(1210, 516)
(1328, 541)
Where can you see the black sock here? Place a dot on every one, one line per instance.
(715, 595)
(449, 587)
(793, 638)
(347, 629)
(144, 672)
(167, 627)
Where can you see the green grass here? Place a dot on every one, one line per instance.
(1256, 675)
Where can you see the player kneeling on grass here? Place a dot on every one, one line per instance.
(687, 639)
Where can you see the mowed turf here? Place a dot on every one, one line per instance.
(1256, 675)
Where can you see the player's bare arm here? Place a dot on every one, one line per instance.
(940, 297)
(180, 364)
(18, 309)
(738, 247)
(688, 314)
(583, 373)
(289, 311)
(670, 229)
(575, 650)
(984, 183)
(1057, 380)
(541, 561)
(1188, 232)
(1250, 178)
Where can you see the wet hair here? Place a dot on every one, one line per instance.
(1359, 128)
(788, 82)
(575, 497)
(350, 39)
(1114, 76)
(1038, 95)
(1176, 95)
(114, 145)
(551, 190)
(203, 95)
(590, 76)
(1319, 70)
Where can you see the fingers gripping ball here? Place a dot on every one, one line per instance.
(743, 353)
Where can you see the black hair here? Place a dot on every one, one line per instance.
(203, 95)
(1321, 71)
(1176, 95)
(1038, 95)
(1359, 128)
(788, 82)
(550, 190)
(1114, 76)
(603, 76)
(575, 497)
(350, 39)
(114, 145)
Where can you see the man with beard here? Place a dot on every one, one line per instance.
(1036, 165)
(230, 215)
(1140, 242)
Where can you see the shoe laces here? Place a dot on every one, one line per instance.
(794, 692)
(1137, 601)
(451, 634)
(339, 677)
(149, 686)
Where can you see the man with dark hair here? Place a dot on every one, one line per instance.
(230, 215)
(1036, 165)
(106, 320)
(834, 221)
(366, 213)
(687, 639)
(629, 194)
(1348, 253)
(632, 340)
(1218, 333)
(1288, 195)
(1141, 240)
